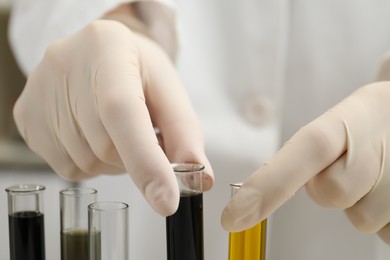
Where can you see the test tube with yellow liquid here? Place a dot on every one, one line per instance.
(249, 244)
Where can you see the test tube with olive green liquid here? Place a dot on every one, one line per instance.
(249, 244)
(74, 222)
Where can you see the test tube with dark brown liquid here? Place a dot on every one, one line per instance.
(26, 222)
(184, 229)
(249, 244)
(74, 222)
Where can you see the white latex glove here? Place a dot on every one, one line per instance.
(343, 159)
(91, 105)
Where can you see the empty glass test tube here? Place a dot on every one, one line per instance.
(184, 229)
(249, 244)
(108, 230)
(26, 222)
(74, 222)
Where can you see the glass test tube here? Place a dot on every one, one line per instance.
(184, 229)
(108, 228)
(249, 244)
(74, 222)
(26, 222)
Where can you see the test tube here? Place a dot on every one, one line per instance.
(108, 227)
(26, 222)
(184, 229)
(74, 222)
(249, 244)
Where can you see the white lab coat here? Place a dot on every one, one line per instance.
(240, 61)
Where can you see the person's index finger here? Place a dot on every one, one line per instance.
(124, 114)
(171, 110)
(307, 153)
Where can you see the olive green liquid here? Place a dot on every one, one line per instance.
(74, 245)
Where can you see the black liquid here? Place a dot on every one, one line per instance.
(26, 236)
(185, 229)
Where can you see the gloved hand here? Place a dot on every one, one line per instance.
(342, 158)
(91, 105)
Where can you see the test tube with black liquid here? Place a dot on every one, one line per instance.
(184, 229)
(26, 222)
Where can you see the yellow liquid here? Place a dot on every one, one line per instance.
(249, 244)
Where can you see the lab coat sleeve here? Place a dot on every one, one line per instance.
(35, 24)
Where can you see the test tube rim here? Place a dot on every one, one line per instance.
(187, 167)
(236, 185)
(25, 188)
(93, 208)
(83, 191)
